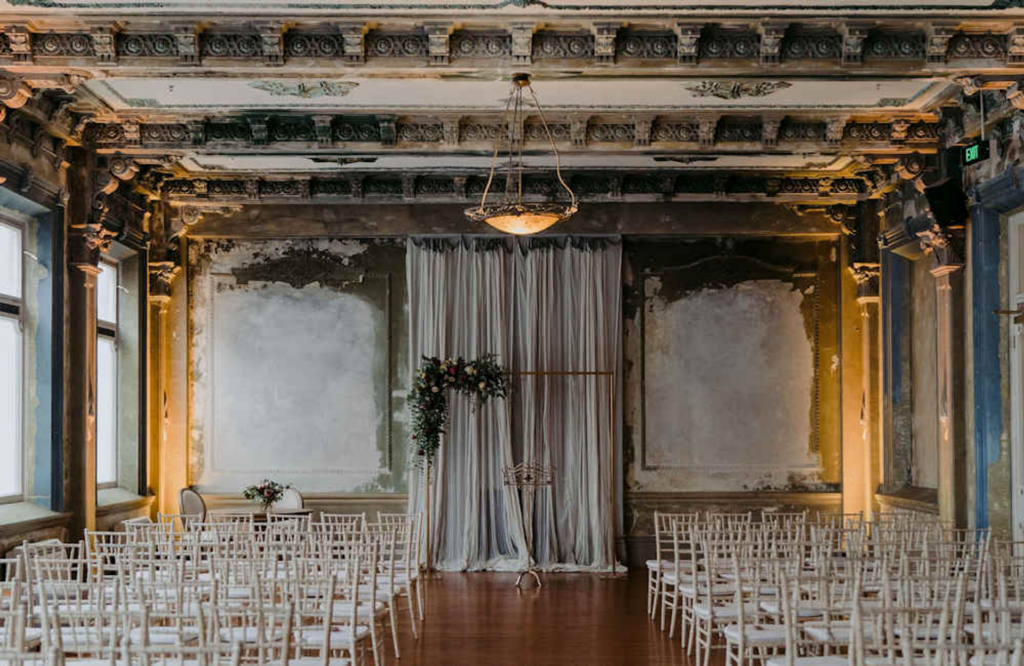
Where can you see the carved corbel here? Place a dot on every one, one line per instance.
(388, 132)
(190, 215)
(706, 131)
(688, 42)
(352, 40)
(451, 129)
(834, 130)
(854, 36)
(459, 184)
(841, 215)
(1015, 46)
(522, 42)
(604, 42)
(770, 131)
(938, 36)
(196, 132)
(186, 38)
(87, 242)
(161, 281)
(122, 168)
(438, 42)
(898, 130)
(104, 43)
(271, 41)
(19, 41)
(910, 166)
(578, 131)
(772, 34)
(14, 92)
(322, 123)
(867, 277)
(132, 133)
(642, 130)
(944, 248)
(970, 85)
(408, 186)
(105, 183)
(1015, 96)
(258, 128)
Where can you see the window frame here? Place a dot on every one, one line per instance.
(14, 308)
(109, 330)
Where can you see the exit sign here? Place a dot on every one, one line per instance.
(974, 153)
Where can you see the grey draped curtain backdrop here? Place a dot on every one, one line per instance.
(551, 304)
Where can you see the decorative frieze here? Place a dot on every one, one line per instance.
(62, 45)
(353, 131)
(1015, 46)
(824, 46)
(649, 45)
(561, 46)
(610, 132)
(729, 44)
(895, 46)
(18, 43)
(801, 131)
(977, 46)
(770, 127)
(389, 45)
(142, 45)
(104, 43)
(675, 132)
(937, 45)
(477, 45)
(229, 45)
(186, 36)
(421, 132)
(736, 132)
(271, 41)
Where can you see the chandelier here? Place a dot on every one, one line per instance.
(512, 215)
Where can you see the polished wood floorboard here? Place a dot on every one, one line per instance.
(479, 619)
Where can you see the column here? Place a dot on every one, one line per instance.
(939, 244)
(85, 243)
(867, 277)
(161, 278)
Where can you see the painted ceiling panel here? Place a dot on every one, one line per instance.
(450, 94)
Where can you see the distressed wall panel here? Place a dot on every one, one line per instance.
(294, 364)
(748, 330)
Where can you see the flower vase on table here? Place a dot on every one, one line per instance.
(266, 492)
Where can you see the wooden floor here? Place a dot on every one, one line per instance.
(479, 619)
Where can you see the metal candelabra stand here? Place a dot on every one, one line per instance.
(527, 477)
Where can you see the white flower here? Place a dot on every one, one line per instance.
(482, 385)
(470, 370)
(434, 389)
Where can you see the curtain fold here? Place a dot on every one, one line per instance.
(549, 304)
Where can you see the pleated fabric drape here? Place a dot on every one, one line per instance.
(548, 304)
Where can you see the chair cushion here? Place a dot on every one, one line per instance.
(724, 611)
(832, 660)
(340, 636)
(757, 634)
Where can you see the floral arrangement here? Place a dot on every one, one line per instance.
(266, 492)
(484, 378)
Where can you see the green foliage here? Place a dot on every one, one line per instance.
(483, 378)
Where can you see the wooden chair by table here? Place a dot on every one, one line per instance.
(290, 499)
(191, 503)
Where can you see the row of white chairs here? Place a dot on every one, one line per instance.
(211, 586)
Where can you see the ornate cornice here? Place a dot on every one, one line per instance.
(445, 187)
(338, 131)
(225, 42)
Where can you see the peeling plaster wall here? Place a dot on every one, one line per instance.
(295, 351)
(925, 458)
(749, 329)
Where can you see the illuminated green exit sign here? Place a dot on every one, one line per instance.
(974, 153)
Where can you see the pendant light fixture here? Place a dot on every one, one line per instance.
(512, 215)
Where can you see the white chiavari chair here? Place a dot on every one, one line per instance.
(714, 605)
(353, 521)
(664, 548)
(95, 633)
(409, 567)
(264, 633)
(175, 611)
(223, 654)
(316, 629)
(755, 578)
(385, 591)
(178, 521)
(802, 650)
(402, 583)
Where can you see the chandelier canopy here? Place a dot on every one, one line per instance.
(512, 215)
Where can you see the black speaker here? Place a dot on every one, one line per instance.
(947, 201)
